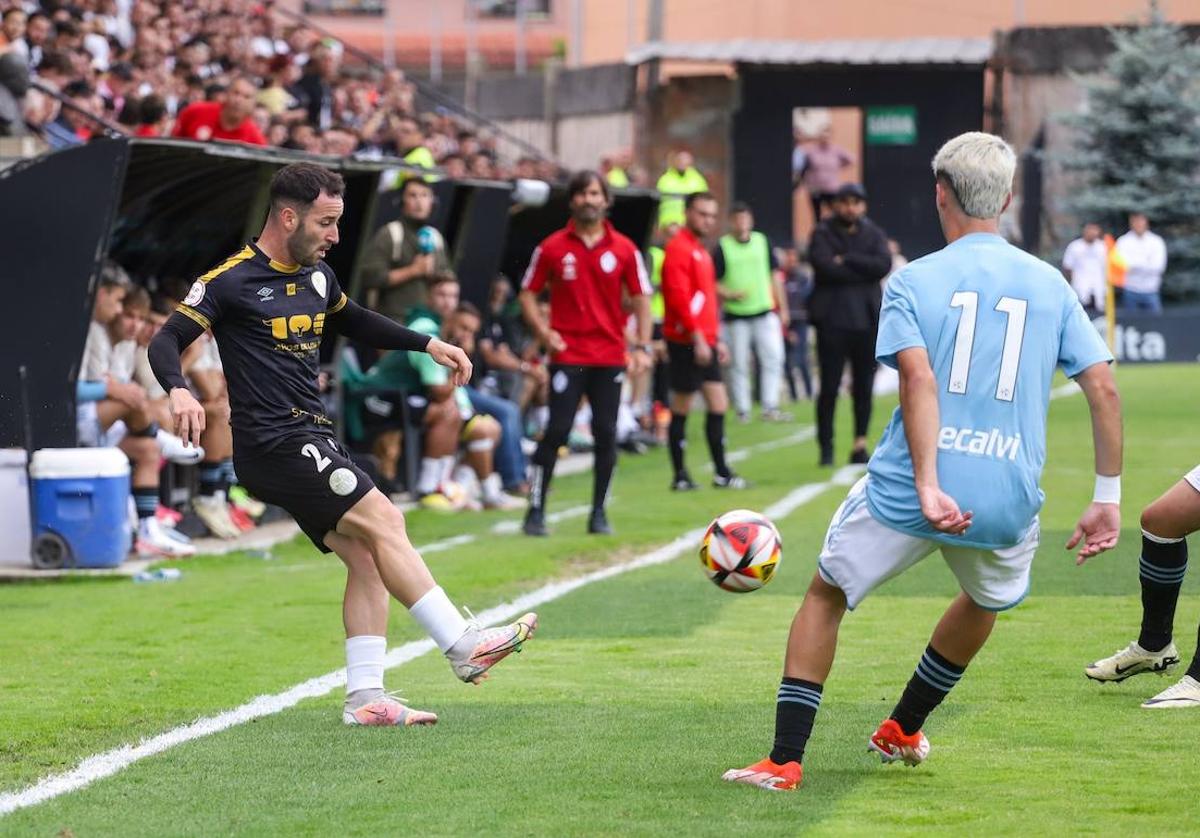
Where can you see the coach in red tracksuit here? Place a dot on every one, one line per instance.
(585, 266)
(694, 350)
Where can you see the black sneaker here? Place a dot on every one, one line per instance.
(598, 523)
(683, 483)
(535, 522)
(859, 457)
(733, 481)
(826, 460)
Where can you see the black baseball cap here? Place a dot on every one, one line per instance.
(850, 190)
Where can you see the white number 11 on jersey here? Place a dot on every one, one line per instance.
(964, 341)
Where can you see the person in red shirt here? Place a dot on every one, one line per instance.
(228, 119)
(695, 352)
(585, 266)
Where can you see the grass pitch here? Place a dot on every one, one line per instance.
(636, 693)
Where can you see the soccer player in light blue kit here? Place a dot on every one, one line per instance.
(976, 331)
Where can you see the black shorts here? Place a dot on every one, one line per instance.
(684, 374)
(309, 475)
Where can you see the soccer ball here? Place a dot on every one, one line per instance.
(740, 551)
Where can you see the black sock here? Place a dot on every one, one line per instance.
(212, 478)
(796, 707)
(714, 429)
(145, 498)
(1161, 570)
(932, 682)
(676, 441)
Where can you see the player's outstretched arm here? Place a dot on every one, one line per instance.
(919, 407)
(176, 335)
(373, 329)
(1100, 524)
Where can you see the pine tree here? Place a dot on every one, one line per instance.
(1138, 143)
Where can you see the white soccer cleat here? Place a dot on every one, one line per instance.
(384, 710)
(482, 648)
(154, 542)
(1184, 694)
(215, 514)
(1130, 661)
(174, 449)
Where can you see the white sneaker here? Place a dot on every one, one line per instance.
(215, 515)
(494, 496)
(1184, 694)
(175, 450)
(1130, 661)
(153, 542)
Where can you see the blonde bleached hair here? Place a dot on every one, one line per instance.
(979, 169)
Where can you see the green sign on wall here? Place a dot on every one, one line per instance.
(891, 125)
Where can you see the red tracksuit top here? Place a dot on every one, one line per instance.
(585, 292)
(689, 289)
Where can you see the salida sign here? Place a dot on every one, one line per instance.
(1171, 337)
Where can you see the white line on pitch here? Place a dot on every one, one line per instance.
(111, 762)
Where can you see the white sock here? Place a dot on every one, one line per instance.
(446, 466)
(492, 489)
(364, 662)
(430, 475)
(440, 619)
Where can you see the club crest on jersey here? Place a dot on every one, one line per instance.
(195, 294)
(318, 283)
(568, 266)
(608, 262)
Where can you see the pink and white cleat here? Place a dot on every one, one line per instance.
(482, 648)
(386, 710)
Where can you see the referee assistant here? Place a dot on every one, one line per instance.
(585, 265)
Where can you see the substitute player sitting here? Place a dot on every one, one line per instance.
(976, 331)
(268, 306)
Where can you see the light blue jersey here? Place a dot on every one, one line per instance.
(996, 322)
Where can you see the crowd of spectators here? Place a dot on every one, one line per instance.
(224, 70)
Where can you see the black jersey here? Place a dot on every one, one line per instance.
(268, 319)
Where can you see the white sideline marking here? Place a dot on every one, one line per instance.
(111, 762)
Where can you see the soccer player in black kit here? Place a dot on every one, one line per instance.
(268, 306)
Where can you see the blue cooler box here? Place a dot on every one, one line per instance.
(81, 495)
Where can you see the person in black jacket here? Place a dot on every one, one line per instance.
(849, 255)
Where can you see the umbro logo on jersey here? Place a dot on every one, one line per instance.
(265, 293)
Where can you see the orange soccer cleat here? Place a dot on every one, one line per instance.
(767, 775)
(892, 744)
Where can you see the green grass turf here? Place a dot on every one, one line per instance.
(637, 693)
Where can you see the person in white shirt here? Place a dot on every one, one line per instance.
(1145, 256)
(1085, 264)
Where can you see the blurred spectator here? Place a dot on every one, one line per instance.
(152, 120)
(71, 127)
(55, 69)
(30, 45)
(303, 137)
(409, 138)
(679, 180)
(899, 260)
(1085, 264)
(454, 166)
(12, 27)
(797, 285)
(405, 256)
(275, 95)
(115, 86)
(313, 90)
(751, 290)
(614, 172)
(227, 119)
(14, 83)
(479, 165)
(849, 255)
(823, 165)
(1145, 256)
(526, 168)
